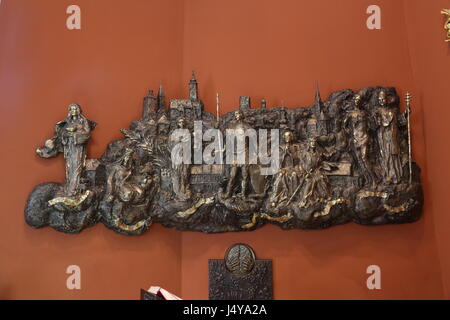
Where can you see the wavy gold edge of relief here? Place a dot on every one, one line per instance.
(69, 201)
(195, 207)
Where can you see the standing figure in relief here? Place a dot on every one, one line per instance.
(388, 141)
(72, 135)
(181, 171)
(239, 126)
(356, 124)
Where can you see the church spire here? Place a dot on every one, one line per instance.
(322, 120)
(193, 88)
(318, 98)
(318, 101)
(161, 98)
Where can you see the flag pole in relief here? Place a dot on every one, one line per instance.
(408, 110)
(218, 127)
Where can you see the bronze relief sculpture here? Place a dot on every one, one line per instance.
(344, 159)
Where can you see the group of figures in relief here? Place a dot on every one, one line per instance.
(344, 159)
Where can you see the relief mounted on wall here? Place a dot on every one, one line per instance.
(344, 159)
(240, 276)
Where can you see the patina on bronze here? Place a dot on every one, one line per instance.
(344, 159)
(240, 276)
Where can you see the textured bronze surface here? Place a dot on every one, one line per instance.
(446, 13)
(240, 259)
(344, 159)
(240, 276)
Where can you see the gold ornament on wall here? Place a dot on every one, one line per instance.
(446, 12)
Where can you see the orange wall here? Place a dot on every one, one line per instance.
(275, 49)
(107, 67)
(430, 57)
